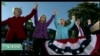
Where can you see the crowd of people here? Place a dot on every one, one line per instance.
(15, 24)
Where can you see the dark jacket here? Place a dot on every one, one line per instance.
(74, 31)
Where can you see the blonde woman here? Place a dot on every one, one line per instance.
(63, 27)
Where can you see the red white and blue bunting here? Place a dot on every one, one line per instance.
(76, 46)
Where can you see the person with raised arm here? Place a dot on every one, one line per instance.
(62, 27)
(15, 24)
(40, 34)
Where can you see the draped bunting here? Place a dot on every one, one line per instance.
(85, 45)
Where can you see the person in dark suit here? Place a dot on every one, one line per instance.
(79, 30)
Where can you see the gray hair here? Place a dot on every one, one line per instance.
(17, 8)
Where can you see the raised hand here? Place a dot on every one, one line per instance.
(89, 21)
(54, 12)
(35, 5)
(73, 17)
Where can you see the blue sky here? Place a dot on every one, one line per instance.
(45, 8)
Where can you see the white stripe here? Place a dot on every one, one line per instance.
(59, 45)
(90, 47)
(77, 44)
(67, 53)
(68, 44)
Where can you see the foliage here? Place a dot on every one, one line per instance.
(86, 11)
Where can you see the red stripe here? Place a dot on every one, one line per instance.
(97, 46)
(71, 40)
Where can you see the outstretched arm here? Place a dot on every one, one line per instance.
(72, 23)
(56, 20)
(33, 12)
(5, 22)
(50, 20)
(36, 18)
